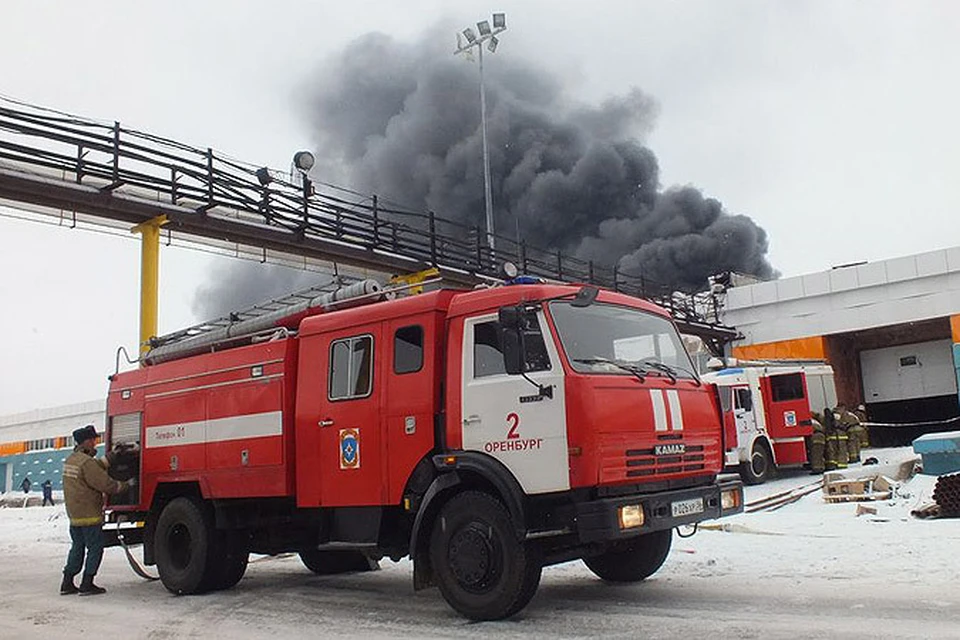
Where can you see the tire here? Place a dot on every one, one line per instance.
(759, 468)
(185, 541)
(231, 563)
(633, 560)
(325, 563)
(482, 570)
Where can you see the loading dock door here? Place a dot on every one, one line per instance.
(910, 371)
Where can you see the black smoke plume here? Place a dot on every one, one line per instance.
(403, 121)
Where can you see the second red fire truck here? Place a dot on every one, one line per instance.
(485, 434)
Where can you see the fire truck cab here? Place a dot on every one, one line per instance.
(485, 434)
(767, 413)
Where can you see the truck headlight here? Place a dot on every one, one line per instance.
(730, 499)
(630, 516)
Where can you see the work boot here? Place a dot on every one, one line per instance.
(87, 588)
(67, 587)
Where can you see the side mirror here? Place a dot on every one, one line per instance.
(510, 317)
(585, 296)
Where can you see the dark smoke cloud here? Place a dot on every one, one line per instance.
(403, 121)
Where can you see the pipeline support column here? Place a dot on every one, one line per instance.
(149, 278)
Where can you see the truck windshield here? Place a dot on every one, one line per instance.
(606, 338)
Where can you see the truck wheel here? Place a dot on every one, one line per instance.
(231, 563)
(184, 542)
(325, 563)
(759, 468)
(633, 560)
(482, 570)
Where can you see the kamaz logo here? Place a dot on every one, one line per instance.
(669, 449)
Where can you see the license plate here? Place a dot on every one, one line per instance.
(682, 508)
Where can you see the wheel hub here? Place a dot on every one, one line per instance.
(473, 557)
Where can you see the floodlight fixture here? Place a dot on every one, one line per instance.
(484, 28)
(303, 161)
(492, 44)
(263, 175)
(469, 34)
(499, 21)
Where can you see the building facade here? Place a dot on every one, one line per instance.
(34, 444)
(890, 329)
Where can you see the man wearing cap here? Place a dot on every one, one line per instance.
(85, 480)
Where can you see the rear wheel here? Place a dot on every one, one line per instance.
(231, 562)
(325, 563)
(185, 543)
(759, 468)
(633, 560)
(484, 572)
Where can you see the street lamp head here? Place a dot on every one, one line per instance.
(263, 176)
(499, 21)
(469, 35)
(303, 161)
(484, 28)
(492, 44)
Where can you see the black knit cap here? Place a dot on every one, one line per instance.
(84, 433)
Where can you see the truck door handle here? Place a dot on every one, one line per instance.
(326, 423)
(471, 419)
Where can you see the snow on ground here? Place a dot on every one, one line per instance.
(808, 570)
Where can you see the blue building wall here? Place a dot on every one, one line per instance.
(45, 464)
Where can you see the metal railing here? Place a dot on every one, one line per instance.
(118, 161)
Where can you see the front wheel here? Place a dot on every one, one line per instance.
(186, 547)
(484, 572)
(759, 468)
(634, 560)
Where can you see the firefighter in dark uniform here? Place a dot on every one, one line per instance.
(851, 424)
(818, 442)
(843, 440)
(836, 441)
(861, 413)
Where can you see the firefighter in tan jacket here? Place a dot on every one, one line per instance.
(85, 480)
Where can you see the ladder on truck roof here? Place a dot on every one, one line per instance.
(280, 315)
(264, 317)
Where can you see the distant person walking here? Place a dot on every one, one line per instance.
(47, 493)
(25, 485)
(85, 480)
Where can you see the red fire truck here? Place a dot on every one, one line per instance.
(484, 433)
(767, 409)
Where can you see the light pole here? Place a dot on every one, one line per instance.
(487, 36)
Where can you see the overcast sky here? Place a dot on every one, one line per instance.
(832, 124)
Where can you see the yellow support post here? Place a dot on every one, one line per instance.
(149, 278)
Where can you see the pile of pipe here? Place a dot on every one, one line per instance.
(947, 495)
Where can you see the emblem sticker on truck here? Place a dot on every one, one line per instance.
(349, 448)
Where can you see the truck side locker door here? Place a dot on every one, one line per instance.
(339, 444)
(411, 391)
(503, 416)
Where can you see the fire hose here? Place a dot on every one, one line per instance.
(137, 568)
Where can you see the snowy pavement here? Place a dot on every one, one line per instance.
(808, 570)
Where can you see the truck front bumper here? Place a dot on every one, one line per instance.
(609, 519)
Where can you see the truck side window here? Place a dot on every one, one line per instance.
(743, 399)
(488, 353)
(787, 387)
(408, 349)
(351, 368)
